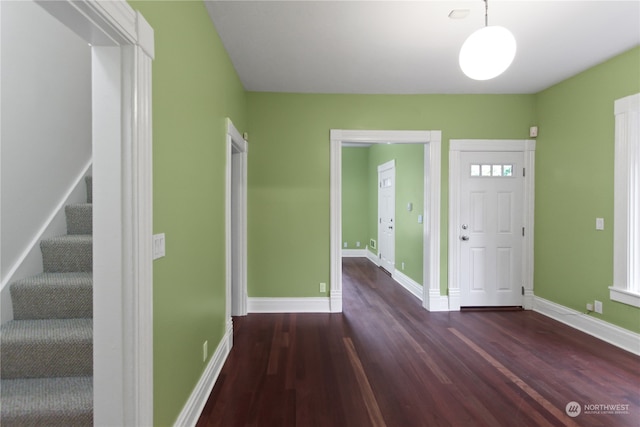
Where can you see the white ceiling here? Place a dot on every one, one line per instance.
(411, 47)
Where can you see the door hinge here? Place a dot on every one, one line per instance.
(523, 290)
(522, 231)
(380, 220)
(524, 172)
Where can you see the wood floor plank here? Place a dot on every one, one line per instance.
(556, 412)
(370, 402)
(385, 361)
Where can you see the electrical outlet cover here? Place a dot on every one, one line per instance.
(598, 307)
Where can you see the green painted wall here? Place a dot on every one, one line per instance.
(574, 185)
(355, 197)
(289, 168)
(194, 88)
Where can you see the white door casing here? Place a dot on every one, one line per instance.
(386, 215)
(122, 53)
(236, 225)
(467, 210)
(432, 300)
(491, 224)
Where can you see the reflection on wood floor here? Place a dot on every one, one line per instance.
(386, 361)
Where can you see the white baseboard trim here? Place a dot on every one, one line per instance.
(289, 305)
(528, 300)
(435, 301)
(354, 253)
(335, 301)
(409, 284)
(193, 408)
(454, 299)
(605, 331)
(373, 258)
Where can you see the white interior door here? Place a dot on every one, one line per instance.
(386, 215)
(491, 228)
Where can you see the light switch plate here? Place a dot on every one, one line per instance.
(599, 223)
(158, 246)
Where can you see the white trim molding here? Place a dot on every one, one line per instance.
(626, 211)
(456, 147)
(409, 284)
(615, 335)
(122, 50)
(624, 296)
(236, 222)
(290, 305)
(354, 253)
(431, 231)
(192, 410)
(435, 301)
(373, 257)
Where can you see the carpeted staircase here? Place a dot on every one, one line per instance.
(46, 352)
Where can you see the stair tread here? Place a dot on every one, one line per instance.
(49, 279)
(47, 401)
(68, 238)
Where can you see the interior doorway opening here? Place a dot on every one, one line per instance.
(432, 300)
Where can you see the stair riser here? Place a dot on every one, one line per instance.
(89, 183)
(59, 302)
(62, 257)
(79, 219)
(43, 360)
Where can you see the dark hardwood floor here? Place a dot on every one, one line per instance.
(385, 361)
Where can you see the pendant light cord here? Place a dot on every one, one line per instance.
(486, 13)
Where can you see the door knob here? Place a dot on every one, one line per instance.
(464, 238)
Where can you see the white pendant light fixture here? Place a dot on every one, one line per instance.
(487, 52)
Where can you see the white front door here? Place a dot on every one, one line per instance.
(491, 228)
(386, 215)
